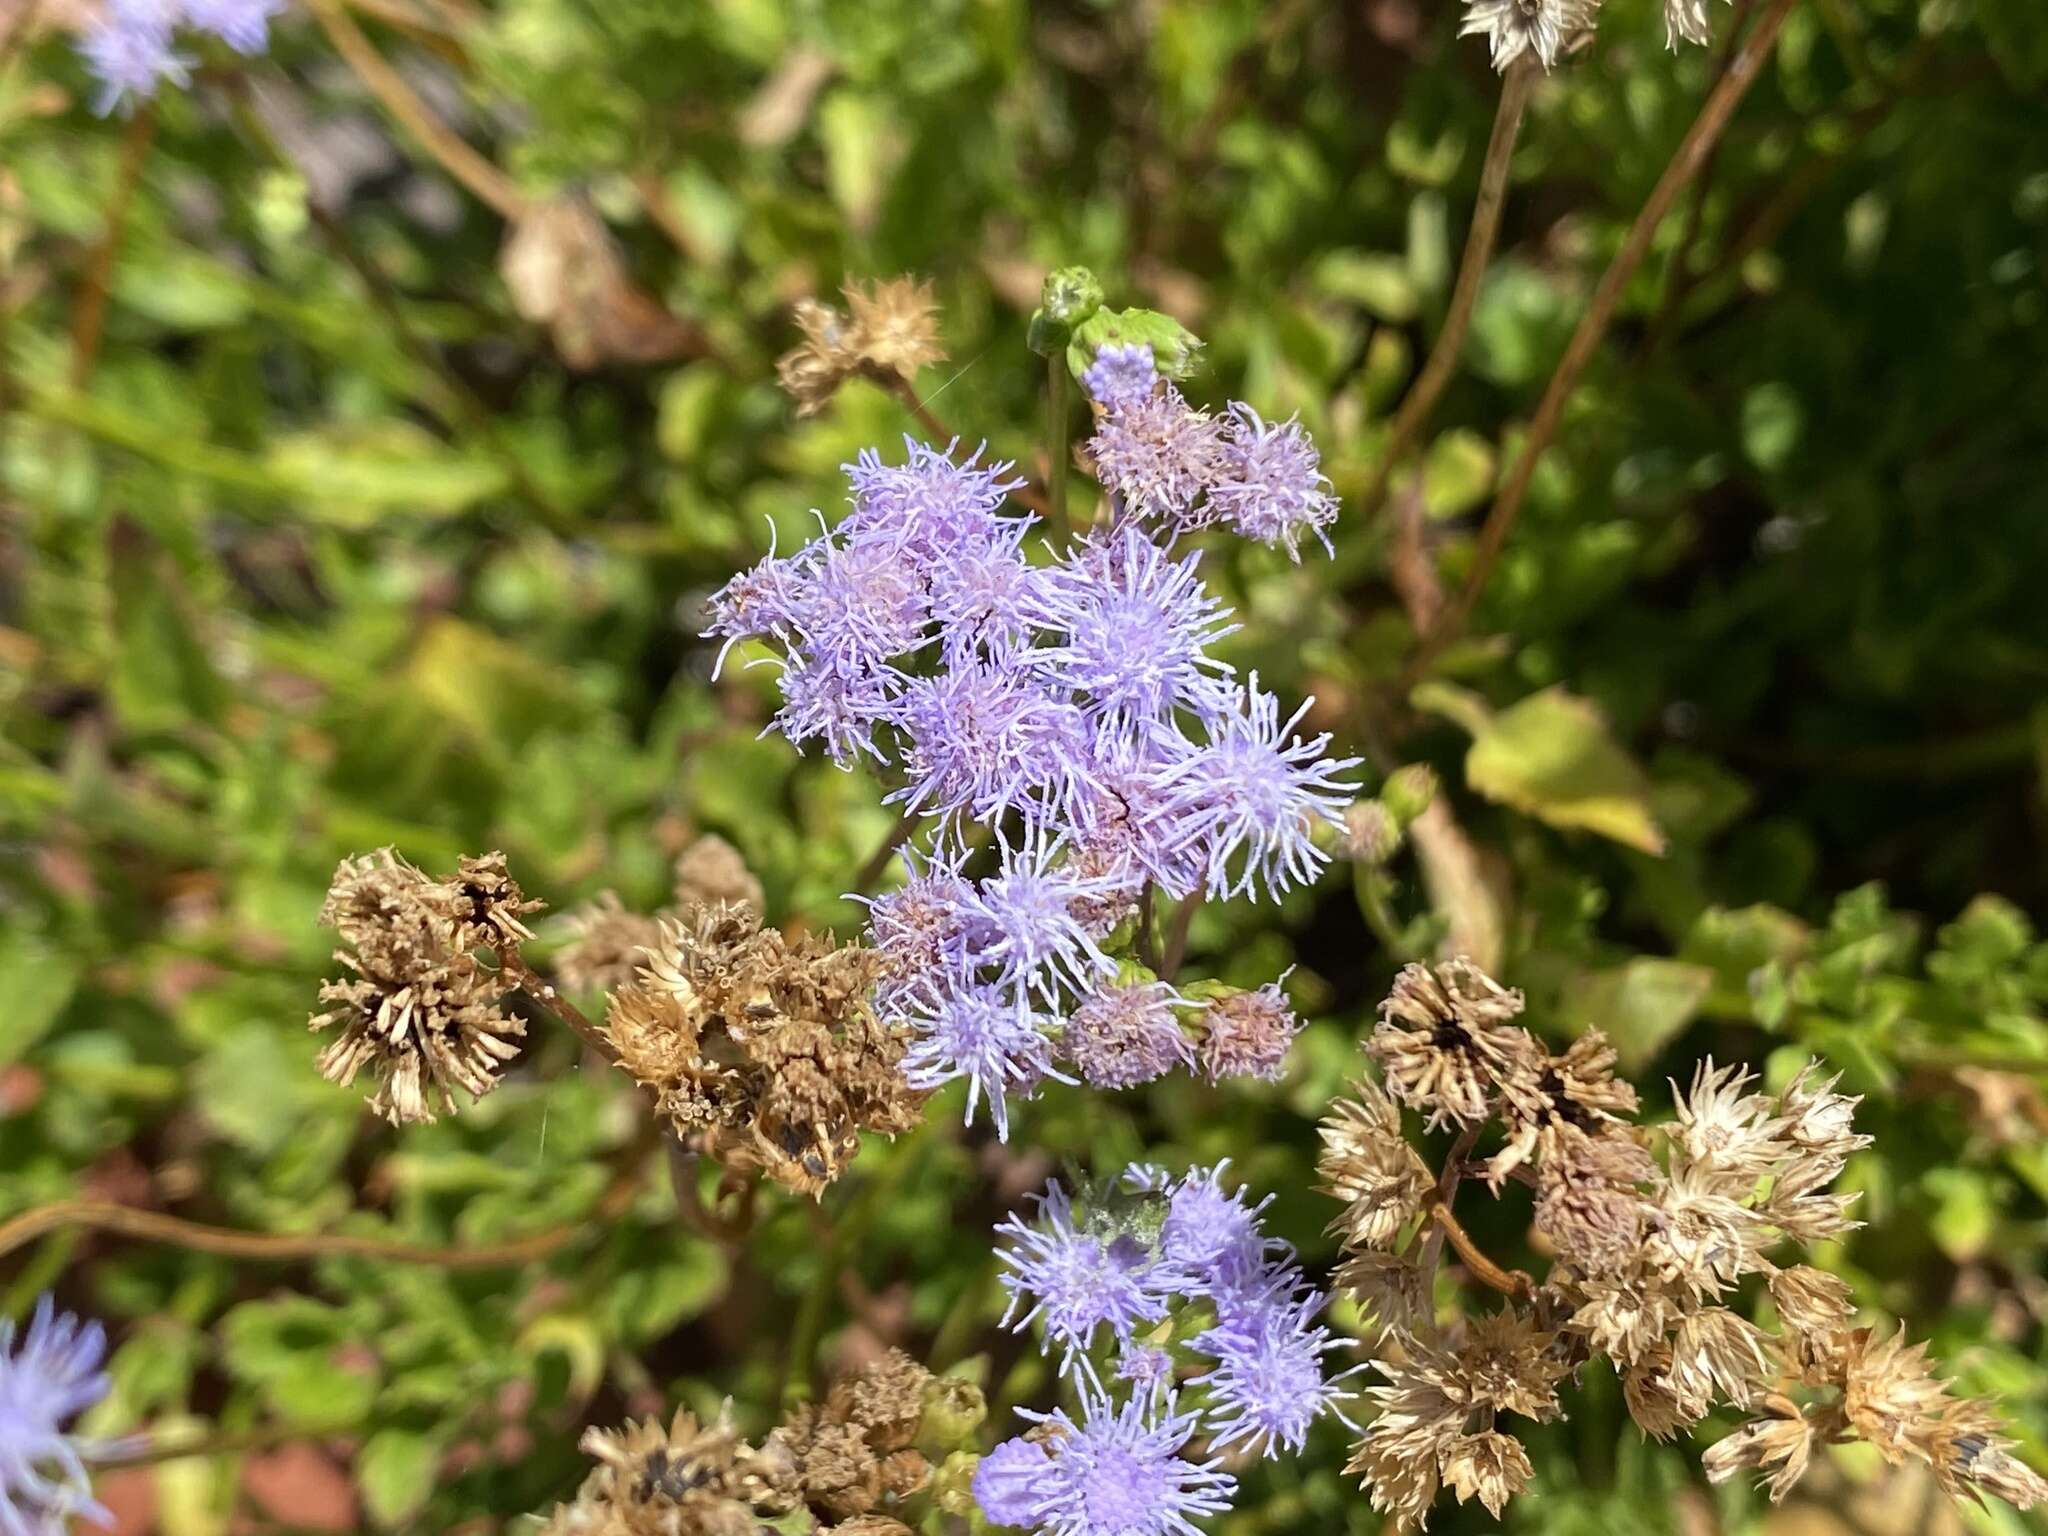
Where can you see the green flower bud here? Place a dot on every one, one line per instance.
(1071, 295)
(954, 1408)
(952, 1486)
(1407, 792)
(1371, 834)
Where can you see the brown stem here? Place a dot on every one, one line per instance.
(871, 872)
(454, 155)
(156, 1227)
(151, 1453)
(1025, 495)
(544, 992)
(1148, 946)
(697, 1216)
(1691, 154)
(1421, 399)
(1177, 935)
(89, 314)
(1509, 1282)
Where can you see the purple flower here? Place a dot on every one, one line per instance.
(863, 605)
(934, 505)
(1120, 374)
(1137, 628)
(1125, 823)
(1149, 1370)
(1258, 788)
(244, 25)
(762, 599)
(1127, 1035)
(1156, 454)
(835, 705)
(987, 738)
(1024, 923)
(1212, 1234)
(987, 601)
(1267, 1386)
(53, 1374)
(1007, 1480)
(1270, 485)
(1119, 1472)
(1077, 1281)
(129, 51)
(982, 1033)
(917, 927)
(1247, 1034)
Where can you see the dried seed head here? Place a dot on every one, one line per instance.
(892, 330)
(1389, 1289)
(1247, 1035)
(884, 1400)
(1779, 1447)
(703, 1480)
(1814, 1308)
(1490, 1467)
(1717, 1357)
(1968, 1450)
(1446, 1041)
(607, 945)
(1506, 1364)
(1890, 1396)
(1549, 1104)
(1369, 1165)
(711, 871)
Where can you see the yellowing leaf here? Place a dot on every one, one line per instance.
(1641, 1006)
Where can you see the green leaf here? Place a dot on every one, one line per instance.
(37, 982)
(1381, 285)
(1965, 1214)
(354, 476)
(1641, 1006)
(1458, 473)
(1551, 756)
(395, 1469)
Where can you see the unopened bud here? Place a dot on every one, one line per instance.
(1408, 792)
(953, 1410)
(1371, 835)
(1070, 296)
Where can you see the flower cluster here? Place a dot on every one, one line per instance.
(131, 47)
(1072, 706)
(51, 1374)
(759, 1050)
(1178, 1317)
(608, 941)
(1547, 28)
(422, 1012)
(851, 1464)
(1654, 1229)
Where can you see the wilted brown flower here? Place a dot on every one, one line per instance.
(1389, 1288)
(607, 946)
(1446, 1041)
(1589, 1201)
(1968, 1450)
(884, 1399)
(710, 871)
(1889, 1395)
(763, 1048)
(1813, 1307)
(1558, 1103)
(1422, 1412)
(1654, 1401)
(1718, 1357)
(420, 1011)
(686, 1480)
(1369, 1165)
(1779, 1446)
(1489, 1466)
(891, 331)
(1247, 1035)
(1506, 1364)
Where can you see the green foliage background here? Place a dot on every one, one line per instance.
(292, 566)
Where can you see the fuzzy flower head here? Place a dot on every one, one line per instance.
(244, 25)
(1210, 1231)
(985, 739)
(981, 1033)
(1247, 1034)
(1156, 454)
(1120, 374)
(1542, 27)
(52, 1374)
(1022, 922)
(1268, 1385)
(130, 52)
(1270, 486)
(933, 504)
(1118, 1471)
(1125, 1035)
(1076, 1279)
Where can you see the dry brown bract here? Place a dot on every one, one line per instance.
(761, 1050)
(686, 1480)
(1652, 1230)
(608, 940)
(421, 1011)
(887, 330)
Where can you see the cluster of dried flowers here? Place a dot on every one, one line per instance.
(1211, 1335)
(1654, 1228)
(423, 1011)
(762, 1051)
(862, 1463)
(887, 332)
(1547, 29)
(608, 939)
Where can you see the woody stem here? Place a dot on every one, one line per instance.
(544, 992)
(1509, 1282)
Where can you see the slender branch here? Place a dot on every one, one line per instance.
(156, 1227)
(1509, 1282)
(1691, 154)
(455, 156)
(1058, 380)
(149, 1453)
(544, 992)
(871, 872)
(905, 391)
(1177, 935)
(1421, 400)
(89, 314)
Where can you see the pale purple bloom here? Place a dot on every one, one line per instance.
(1156, 454)
(1126, 1035)
(1212, 1234)
(916, 928)
(763, 599)
(1268, 1387)
(1077, 1281)
(933, 504)
(130, 52)
(1022, 922)
(987, 601)
(1119, 374)
(1119, 1472)
(981, 1033)
(1137, 627)
(1258, 788)
(1247, 1034)
(1149, 1370)
(863, 605)
(244, 25)
(838, 706)
(1270, 485)
(1126, 822)
(1008, 1479)
(986, 738)
(53, 1374)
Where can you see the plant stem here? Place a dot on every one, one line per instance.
(1025, 495)
(1421, 400)
(544, 992)
(89, 313)
(220, 1443)
(1057, 382)
(1707, 128)
(870, 874)
(455, 156)
(1148, 946)
(1509, 1282)
(1177, 935)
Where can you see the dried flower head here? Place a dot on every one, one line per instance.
(710, 871)
(702, 1479)
(607, 944)
(1446, 1041)
(1247, 1034)
(888, 328)
(1369, 1165)
(763, 1050)
(1540, 27)
(421, 1011)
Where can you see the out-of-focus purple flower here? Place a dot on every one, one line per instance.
(1211, 1233)
(1137, 627)
(244, 25)
(1077, 1281)
(54, 1373)
(1258, 788)
(1008, 1480)
(984, 1034)
(1119, 1472)
(1021, 922)
(1156, 454)
(986, 738)
(1127, 1035)
(1147, 1369)
(1269, 485)
(932, 504)
(1120, 374)
(1247, 1034)
(130, 51)
(1268, 1386)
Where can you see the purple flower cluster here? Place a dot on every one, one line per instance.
(1162, 458)
(1156, 1274)
(52, 1374)
(1070, 705)
(131, 47)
